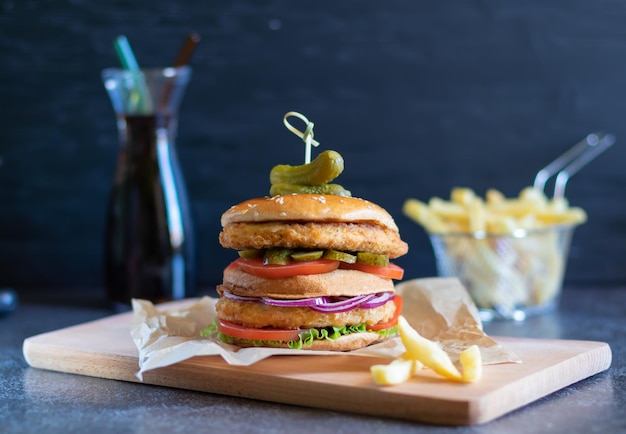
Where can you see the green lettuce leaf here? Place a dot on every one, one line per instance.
(305, 339)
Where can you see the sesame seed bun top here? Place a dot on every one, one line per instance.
(309, 208)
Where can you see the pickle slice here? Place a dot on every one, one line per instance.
(324, 168)
(373, 259)
(307, 255)
(251, 253)
(284, 188)
(277, 256)
(336, 255)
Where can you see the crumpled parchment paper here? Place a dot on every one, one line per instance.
(439, 309)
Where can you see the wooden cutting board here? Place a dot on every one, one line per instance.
(104, 348)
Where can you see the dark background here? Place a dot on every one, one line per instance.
(417, 96)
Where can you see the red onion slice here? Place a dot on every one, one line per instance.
(301, 302)
(343, 305)
(235, 297)
(321, 304)
(380, 299)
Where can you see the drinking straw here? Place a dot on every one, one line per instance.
(140, 96)
(182, 59)
(191, 41)
(125, 54)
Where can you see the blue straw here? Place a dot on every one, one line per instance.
(125, 53)
(140, 97)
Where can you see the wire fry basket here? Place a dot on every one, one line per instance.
(508, 276)
(520, 273)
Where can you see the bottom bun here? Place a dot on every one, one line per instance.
(350, 342)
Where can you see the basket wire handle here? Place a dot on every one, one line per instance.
(572, 161)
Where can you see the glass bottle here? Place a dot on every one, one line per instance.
(149, 251)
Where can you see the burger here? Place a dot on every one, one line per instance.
(314, 272)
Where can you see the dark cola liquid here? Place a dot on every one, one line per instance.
(149, 251)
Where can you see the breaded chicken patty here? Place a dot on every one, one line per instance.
(259, 315)
(348, 237)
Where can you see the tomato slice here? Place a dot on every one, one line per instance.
(267, 334)
(393, 321)
(270, 271)
(391, 271)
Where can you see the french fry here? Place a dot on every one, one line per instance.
(477, 215)
(421, 213)
(398, 371)
(549, 217)
(494, 196)
(471, 362)
(515, 208)
(462, 195)
(426, 351)
(559, 204)
(500, 225)
(448, 210)
(534, 195)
